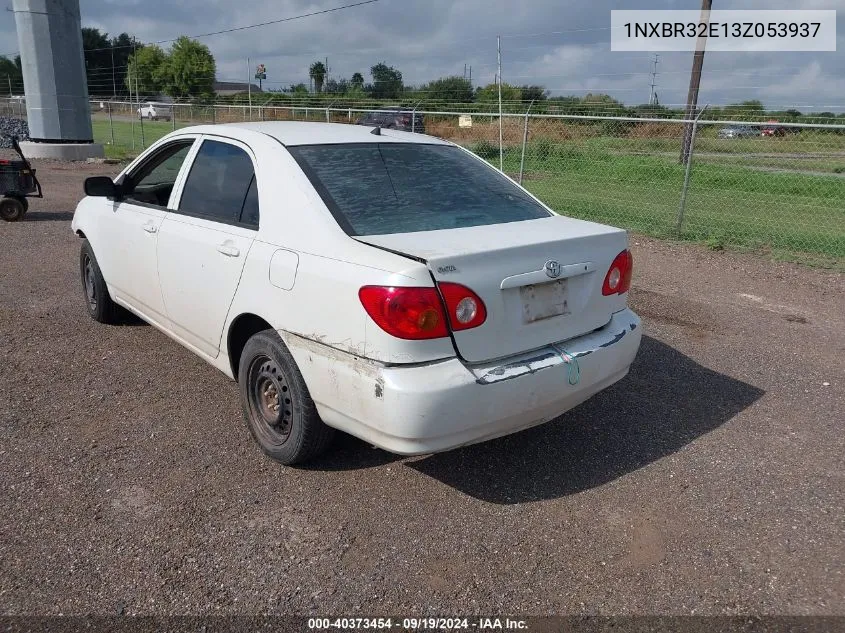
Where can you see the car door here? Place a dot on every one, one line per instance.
(203, 243)
(146, 194)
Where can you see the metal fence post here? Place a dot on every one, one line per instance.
(213, 114)
(143, 140)
(524, 142)
(349, 115)
(683, 204)
(173, 116)
(111, 124)
(414, 116)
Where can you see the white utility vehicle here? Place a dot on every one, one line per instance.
(387, 284)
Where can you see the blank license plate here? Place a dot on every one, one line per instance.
(543, 301)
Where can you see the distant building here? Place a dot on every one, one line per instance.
(226, 88)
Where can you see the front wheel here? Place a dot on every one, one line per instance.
(277, 406)
(98, 302)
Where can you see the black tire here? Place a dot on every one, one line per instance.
(99, 304)
(12, 209)
(278, 409)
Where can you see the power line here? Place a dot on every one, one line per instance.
(249, 26)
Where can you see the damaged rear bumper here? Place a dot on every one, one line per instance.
(441, 405)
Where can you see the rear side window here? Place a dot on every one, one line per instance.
(219, 183)
(381, 188)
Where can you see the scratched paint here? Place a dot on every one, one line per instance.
(548, 357)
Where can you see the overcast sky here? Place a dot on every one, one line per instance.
(426, 39)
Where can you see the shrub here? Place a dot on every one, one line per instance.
(543, 148)
(485, 149)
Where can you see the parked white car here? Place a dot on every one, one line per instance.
(155, 111)
(393, 286)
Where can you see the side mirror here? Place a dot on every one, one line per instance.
(101, 186)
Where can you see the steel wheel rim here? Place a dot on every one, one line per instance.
(270, 403)
(88, 279)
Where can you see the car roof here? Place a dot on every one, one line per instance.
(304, 133)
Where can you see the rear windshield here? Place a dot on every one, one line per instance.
(381, 188)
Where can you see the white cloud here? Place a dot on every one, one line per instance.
(426, 39)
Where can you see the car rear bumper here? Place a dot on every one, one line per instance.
(441, 405)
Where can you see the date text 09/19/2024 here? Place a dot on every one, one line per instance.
(417, 624)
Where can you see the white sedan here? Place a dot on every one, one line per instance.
(387, 284)
(155, 111)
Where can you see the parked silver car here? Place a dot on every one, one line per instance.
(738, 131)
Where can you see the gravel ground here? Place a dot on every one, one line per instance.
(710, 481)
(11, 126)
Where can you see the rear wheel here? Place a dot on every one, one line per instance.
(99, 304)
(12, 209)
(277, 406)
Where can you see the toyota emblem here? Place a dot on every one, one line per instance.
(552, 268)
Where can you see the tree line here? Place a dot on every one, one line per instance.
(119, 66)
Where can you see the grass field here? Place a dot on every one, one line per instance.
(794, 207)
(123, 147)
(784, 195)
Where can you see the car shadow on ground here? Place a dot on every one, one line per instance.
(667, 401)
(48, 216)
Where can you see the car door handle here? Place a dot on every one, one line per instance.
(228, 250)
(149, 227)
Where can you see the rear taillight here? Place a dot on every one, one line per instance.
(417, 313)
(465, 308)
(618, 278)
(405, 120)
(408, 313)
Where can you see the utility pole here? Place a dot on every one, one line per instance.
(655, 61)
(140, 118)
(113, 82)
(135, 70)
(499, 64)
(249, 87)
(694, 83)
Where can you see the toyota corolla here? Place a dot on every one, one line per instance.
(386, 284)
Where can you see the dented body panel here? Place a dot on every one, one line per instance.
(441, 405)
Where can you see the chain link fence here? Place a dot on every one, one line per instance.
(771, 186)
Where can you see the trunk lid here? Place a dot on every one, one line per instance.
(540, 280)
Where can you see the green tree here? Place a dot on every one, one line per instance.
(490, 93)
(122, 48)
(448, 90)
(744, 110)
(357, 81)
(11, 78)
(317, 72)
(96, 48)
(533, 93)
(188, 70)
(146, 71)
(387, 82)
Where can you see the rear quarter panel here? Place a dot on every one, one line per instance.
(312, 288)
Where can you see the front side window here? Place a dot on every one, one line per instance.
(218, 184)
(153, 181)
(381, 188)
